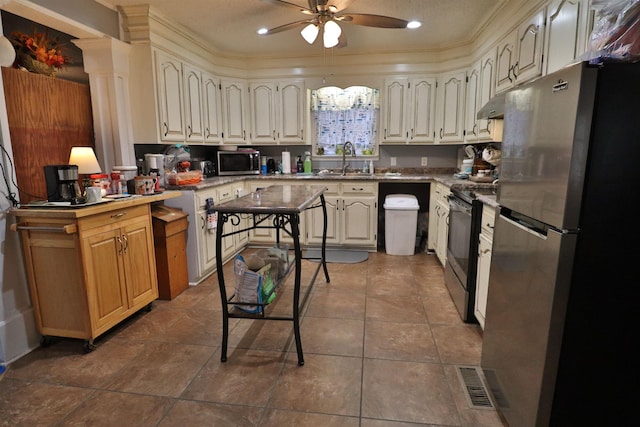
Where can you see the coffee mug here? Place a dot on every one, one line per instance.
(145, 185)
(94, 194)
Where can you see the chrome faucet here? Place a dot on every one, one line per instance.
(344, 154)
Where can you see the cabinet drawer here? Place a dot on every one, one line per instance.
(113, 217)
(488, 219)
(359, 188)
(203, 195)
(225, 194)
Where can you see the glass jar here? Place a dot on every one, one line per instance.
(101, 180)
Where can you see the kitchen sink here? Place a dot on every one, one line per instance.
(339, 173)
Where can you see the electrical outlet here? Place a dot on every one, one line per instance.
(393, 161)
(423, 161)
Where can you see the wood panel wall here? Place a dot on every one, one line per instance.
(47, 116)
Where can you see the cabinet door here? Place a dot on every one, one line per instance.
(170, 97)
(529, 49)
(395, 110)
(358, 222)
(451, 107)
(563, 33)
(486, 90)
(211, 109)
(432, 233)
(505, 58)
(422, 111)
(263, 113)
(482, 282)
(139, 262)
(234, 111)
(106, 285)
(206, 244)
(471, 102)
(291, 112)
(315, 222)
(443, 231)
(193, 103)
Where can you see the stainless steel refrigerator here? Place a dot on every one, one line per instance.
(562, 302)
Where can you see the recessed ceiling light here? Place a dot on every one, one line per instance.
(262, 31)
(414, 24)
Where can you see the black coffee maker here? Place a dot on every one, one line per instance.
(62, 183)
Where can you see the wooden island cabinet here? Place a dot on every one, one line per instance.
(89, 268)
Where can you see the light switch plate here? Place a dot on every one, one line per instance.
(393, 161)
(423, 161)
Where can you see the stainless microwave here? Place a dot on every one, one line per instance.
(241, 162)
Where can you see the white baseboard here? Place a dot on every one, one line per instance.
(18, 336)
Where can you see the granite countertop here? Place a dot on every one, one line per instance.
(395, 175)
(274, 199)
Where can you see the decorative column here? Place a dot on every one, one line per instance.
(106, 60)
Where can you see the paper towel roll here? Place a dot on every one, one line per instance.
(286, 162)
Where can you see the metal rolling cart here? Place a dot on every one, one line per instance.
(276, 207)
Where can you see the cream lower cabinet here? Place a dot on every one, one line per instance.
(352, 215)
(88, 274)
(234, 243)
(438, 220)
(484, 263)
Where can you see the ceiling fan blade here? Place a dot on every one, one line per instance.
(288, 26)
(339, 5)
(293, 6)
(373, 20)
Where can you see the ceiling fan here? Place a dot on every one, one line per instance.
(325, 15)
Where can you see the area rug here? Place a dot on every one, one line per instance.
(337, 255)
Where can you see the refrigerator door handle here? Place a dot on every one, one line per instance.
(524, 226)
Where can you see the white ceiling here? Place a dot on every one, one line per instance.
(230, 25)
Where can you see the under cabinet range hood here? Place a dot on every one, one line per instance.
(494, 109)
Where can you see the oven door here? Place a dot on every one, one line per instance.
(462, 248)
(459, 242)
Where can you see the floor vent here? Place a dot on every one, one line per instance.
(476, 392)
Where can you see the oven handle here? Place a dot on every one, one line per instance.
(458, 205)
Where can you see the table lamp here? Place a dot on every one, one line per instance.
(87, 163)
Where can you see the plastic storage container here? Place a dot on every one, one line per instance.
(400, 224)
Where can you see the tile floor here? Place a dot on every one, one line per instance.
(381, 344)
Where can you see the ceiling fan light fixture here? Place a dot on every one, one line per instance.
(414, 24)
(309, 33)
(331, 34)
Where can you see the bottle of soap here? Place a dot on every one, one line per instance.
(371, 171)
(307, 162)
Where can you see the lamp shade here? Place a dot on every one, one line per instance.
(7, 52)
(309, 33)
(85, 159)
(331, 34)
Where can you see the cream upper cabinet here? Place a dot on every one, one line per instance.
(450, 104)
(263, 112)
(519, 54)
(234, 111)
(472, 103)
(408, 114)
(567, 32)
(422, 110)
(291, 111)
(211, 108)
(394, 114)
(193, 96)
(480, 89)
(170, 97)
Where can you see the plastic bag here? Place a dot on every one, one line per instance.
(616, 31)
(252, 286)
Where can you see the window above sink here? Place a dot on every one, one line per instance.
(340, 115)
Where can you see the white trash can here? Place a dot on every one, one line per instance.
(400, 224)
